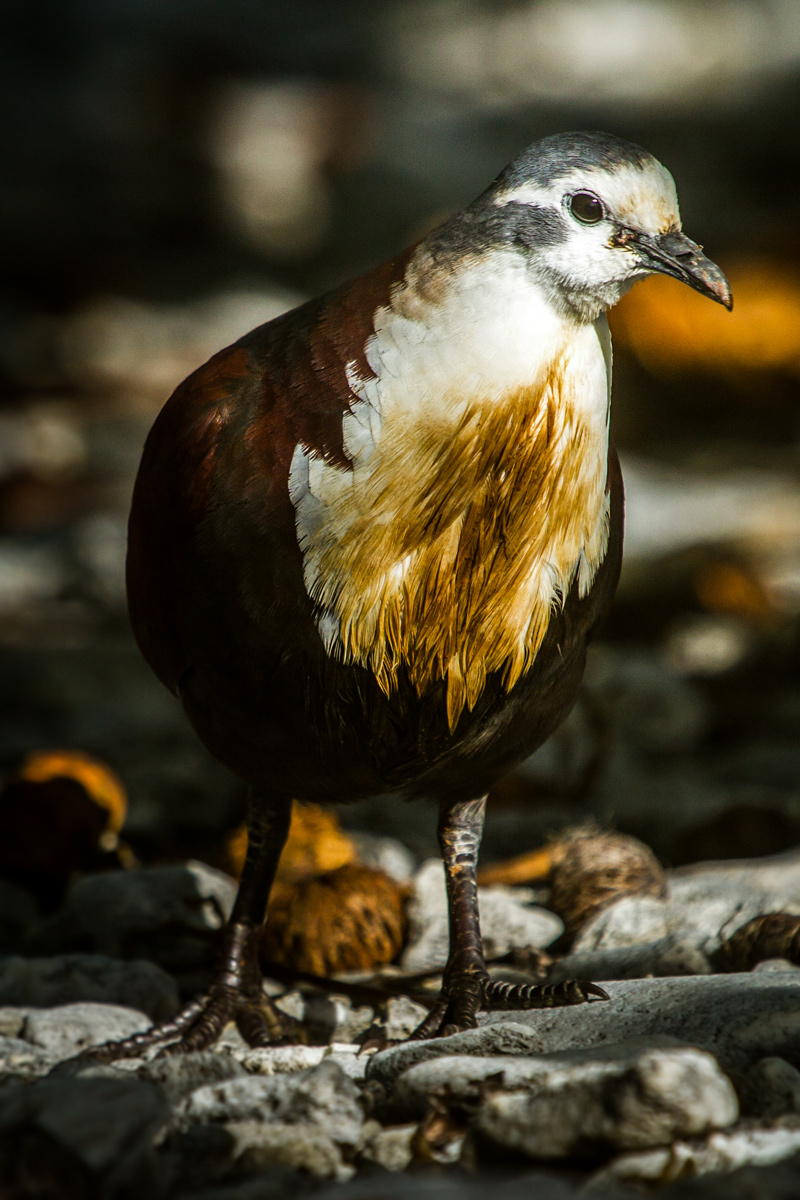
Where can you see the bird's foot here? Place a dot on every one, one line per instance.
(464, 995)
(235, 995)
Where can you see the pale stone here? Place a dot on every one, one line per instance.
(592, 1103)
(744, 1146)
(70, 1028)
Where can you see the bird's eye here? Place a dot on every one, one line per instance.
(586, 208)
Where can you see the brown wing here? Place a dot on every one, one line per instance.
(212, 544)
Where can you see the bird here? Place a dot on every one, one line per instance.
(370, 541)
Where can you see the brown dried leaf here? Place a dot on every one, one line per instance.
(596, 869)
(772, 935)
(350, 919)
(440, 1134)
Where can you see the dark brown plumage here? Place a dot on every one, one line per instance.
(370, 542)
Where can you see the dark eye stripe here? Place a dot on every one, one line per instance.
(586, 208)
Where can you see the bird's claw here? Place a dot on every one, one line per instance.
(460, 1001)
(199, 1025)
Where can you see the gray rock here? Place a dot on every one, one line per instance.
(12, 1019)
(349, 1060)
(70, 1028)
(181, 1074)
(19, 1058)
(464, 1079)
(171, 915)
(724, 1151)
(400, 1017)
(65, 979)
(389, 1148)
(771, 1088)
(617, 1101)
(631, 921)
(505, 1037)
(107, 1126)
(385, 854)
(323, 1096)
(670, 955)
(301, 1145)
(737, 1018)
(508, 921)
(653, 709)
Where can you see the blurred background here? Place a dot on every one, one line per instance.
(174, 174)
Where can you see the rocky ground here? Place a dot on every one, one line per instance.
(685, 1080)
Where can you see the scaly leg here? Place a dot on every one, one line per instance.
(466, 986)
(236, 992)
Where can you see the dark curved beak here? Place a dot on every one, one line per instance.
(677, 255)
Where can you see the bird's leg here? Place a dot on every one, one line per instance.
(466, 986)
(465, 976)
(236, 992)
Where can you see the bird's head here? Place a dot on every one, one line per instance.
(593, 213)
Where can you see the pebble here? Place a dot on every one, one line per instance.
(508, 1036)
(619, 1099)
(399, 1018)
(282, 1060)
(720, 1152)
(771, 1088)
(508, 921)
(390, 1148)
(64, 1031)
(66, 978)
(20, 1059)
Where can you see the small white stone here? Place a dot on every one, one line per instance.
(282, 1060)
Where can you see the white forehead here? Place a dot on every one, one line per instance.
(641, 196)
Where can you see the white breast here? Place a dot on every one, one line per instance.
(469, 378)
